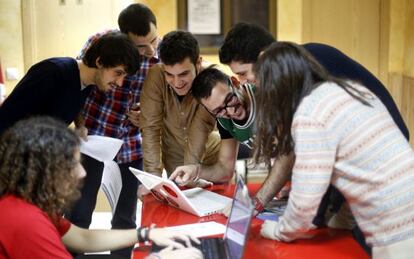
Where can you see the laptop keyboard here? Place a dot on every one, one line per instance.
(212, 248)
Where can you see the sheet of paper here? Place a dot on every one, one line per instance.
(104, 149)
(111, 183)
(100, 147)
(204, 229)
(148, 180)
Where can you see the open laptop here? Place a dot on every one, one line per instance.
(196, 201)
(237, 228)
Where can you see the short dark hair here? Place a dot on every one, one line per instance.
(176, 46)
(205, 81)
(137, 19)
(244, 42)
(37, 156)
(113, 49)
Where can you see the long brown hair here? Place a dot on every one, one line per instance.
(286, 73)
(37, 157)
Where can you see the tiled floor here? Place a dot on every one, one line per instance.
(102, 219)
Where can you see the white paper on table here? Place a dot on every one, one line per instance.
(101, 148)
(111, 183)
(204, 229)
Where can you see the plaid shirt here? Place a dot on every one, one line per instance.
(105, 113)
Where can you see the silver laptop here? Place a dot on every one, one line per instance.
(197, 201)
(233, 243)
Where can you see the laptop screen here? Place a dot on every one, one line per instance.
(238, 223)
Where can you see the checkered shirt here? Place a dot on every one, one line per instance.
(105, 113)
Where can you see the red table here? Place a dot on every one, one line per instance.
(327, 243)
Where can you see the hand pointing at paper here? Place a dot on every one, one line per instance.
(189, 175)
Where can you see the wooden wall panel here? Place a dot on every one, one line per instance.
(352, 26)
(401, 88)
(60, 28)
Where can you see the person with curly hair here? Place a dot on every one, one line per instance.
(40, 173)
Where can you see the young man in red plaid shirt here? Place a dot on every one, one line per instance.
(116, 114)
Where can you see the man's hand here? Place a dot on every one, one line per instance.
(184, 175)
(133, 114)
(142, 191)
(80, 128)
(82, 132)
(200, 183)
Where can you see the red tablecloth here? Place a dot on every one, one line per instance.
(326, 243)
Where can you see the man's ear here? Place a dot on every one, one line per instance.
(198, 63)
(98, 63)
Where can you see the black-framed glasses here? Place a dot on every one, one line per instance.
(230, 101)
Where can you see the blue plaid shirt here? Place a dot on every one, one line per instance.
(105, 113)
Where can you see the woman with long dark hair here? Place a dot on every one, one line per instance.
(342, 135)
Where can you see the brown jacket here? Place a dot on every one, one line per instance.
(174, 133)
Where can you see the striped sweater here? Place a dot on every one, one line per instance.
(360, 150)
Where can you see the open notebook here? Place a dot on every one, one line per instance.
(196, 201)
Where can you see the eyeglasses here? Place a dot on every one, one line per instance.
(230, 101)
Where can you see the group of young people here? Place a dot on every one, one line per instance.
(312, 114)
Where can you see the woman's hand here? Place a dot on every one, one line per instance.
(184, 253)
(268, 229)
(164, 237)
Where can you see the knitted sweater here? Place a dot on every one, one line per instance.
(360, 150)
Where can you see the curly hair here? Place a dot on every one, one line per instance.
(113, 49)
(37, 156)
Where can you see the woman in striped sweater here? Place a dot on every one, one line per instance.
(341, 135)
